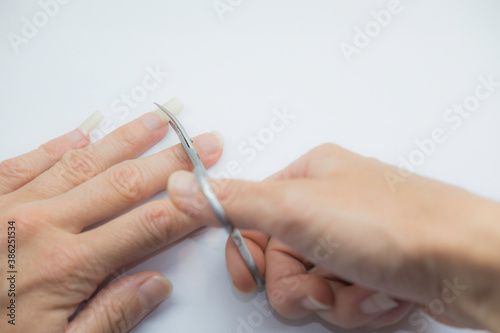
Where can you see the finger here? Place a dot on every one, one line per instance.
(120, 306)
(242, 277)
(295, 291)
(390, 318)
(16, 172)
(126, 184)
(291, 290)
(256, 243)
(78, 166)
(280, 208)
(135, 235)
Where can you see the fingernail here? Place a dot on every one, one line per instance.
(210, 143)
(377, 303)
(310, 303)
(183, 184)
(174, 106)
(154, 291)
(220, 138)
(75, 136)
(152, 121)
(91, 122)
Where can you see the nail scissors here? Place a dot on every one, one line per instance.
(202, 177)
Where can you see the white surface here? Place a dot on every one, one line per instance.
(231, 74)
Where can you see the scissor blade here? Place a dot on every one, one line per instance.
(186, 141)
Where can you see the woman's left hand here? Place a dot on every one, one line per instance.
(48, 196)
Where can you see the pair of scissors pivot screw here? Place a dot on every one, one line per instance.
(202, 177)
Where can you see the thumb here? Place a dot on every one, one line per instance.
(121, 305)
(278, 208)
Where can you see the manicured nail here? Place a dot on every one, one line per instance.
(377, 303)
(310, 303)
(75, 136)
(154, 291)
(152, 121)
(174, 106)
(91, 122)
(210, 143)
(183, 184)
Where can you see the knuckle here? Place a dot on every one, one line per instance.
(326, 151)
(180, 159)
(116, 317)
(157, 222)
(226, 190)
(28, 221)
(329, 159)
(52, 151)
(79, 166)
(127, 181)
(326, 148)
(128, 139)
(17, 169)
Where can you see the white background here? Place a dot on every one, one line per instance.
(231, 74)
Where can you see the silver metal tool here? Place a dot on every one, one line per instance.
(202, 177)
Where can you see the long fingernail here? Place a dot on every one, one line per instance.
(174, 106)
(377, 303)
(183, 184)
(210, 143)
(154, 291)
(91, 122)
(310, 303)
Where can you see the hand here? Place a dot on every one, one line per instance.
(54, 192)
(337, 239)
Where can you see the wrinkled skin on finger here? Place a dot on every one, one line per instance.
(51, 195)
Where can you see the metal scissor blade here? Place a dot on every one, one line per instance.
(186, 141)
(202, 178)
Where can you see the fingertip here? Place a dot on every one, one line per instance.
(154, 291)
(209, 144)
(297, 296)
(244, 286)
(241, 276)
(311, 303)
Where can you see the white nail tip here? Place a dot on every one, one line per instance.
(310, 303)
(175, 107)
(220, 138)
(384, 301)
(91, 122)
